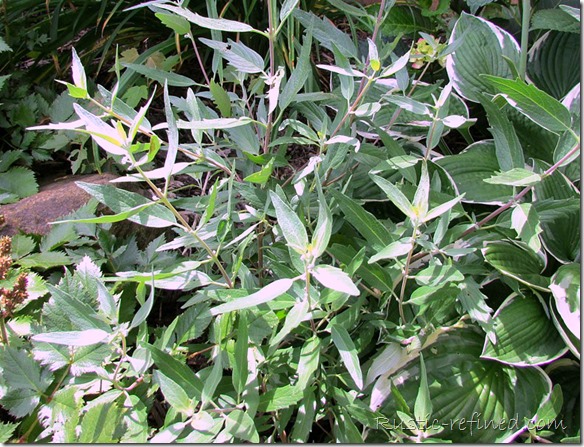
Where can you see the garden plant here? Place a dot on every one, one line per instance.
(363, 225)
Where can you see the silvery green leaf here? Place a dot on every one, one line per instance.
(334, 278)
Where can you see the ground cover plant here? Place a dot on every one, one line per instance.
(363, 229)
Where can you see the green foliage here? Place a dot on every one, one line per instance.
(360, 263)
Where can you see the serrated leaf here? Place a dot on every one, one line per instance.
(19, 182)
(474, 302)
(267, 293)
(525, 334)
(334, 278)
(45, 260)
(348, 353)
(292, 227)
(6, 430)
(534, 103)
(221, 99)
(95, 429)
(178, 24)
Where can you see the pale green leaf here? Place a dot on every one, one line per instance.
(215, 123)
(292, 227)
(308, 363)
(119, 200)
(299, 75)
(207, 22)
(241, 426)
(173, 393)
(280, 398)
(101, 424)
(73, 338)
(534, 103)
(334, 278)
(176, 23)
(423, 404)
(525, 221)
(160, 76)
(396, 196)
(267, 293)
(348, 353)
(393, 250)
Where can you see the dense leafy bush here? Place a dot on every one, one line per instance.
(379, 242)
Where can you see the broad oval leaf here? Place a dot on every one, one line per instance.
(334, 278)
(525, 333)
(481, 51)
(470, 168)
(518, 263)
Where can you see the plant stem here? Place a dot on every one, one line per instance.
(199, 60)
(525, 19)
(4, 334)
(271, 42)
(405, 276)
(185, 224)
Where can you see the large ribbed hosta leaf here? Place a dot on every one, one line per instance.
(462, 385)
(565, 304)
(525, 333)
(468, 170)
(481, 52)
(554, 65)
